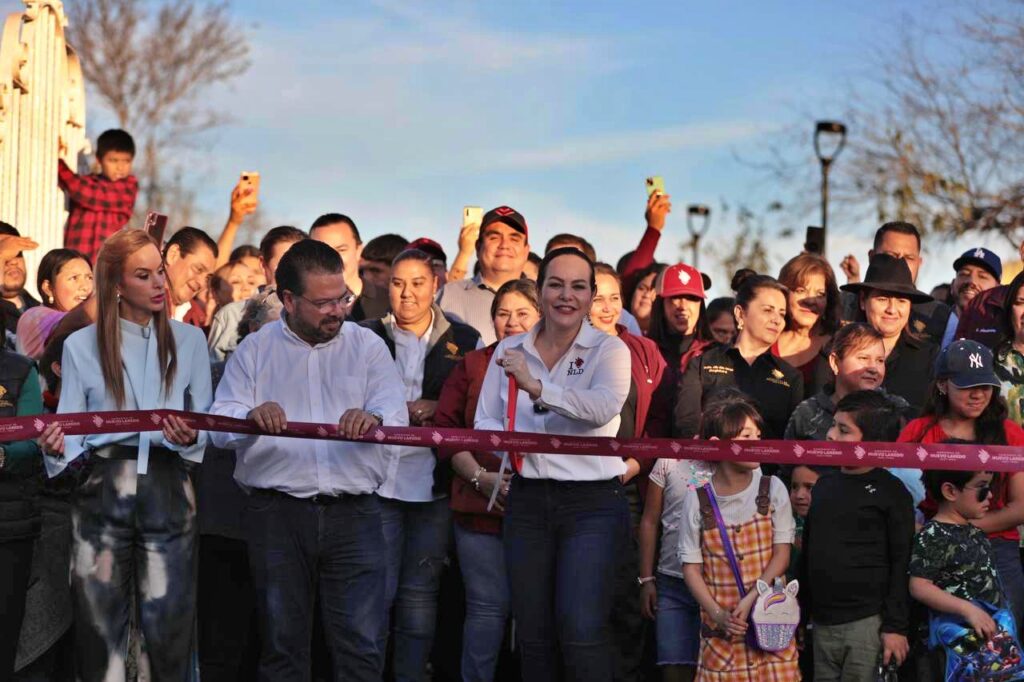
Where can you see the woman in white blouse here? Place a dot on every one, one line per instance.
(566, 516)
(134, 511)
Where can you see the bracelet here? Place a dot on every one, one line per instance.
(644, 581)
(476, 478)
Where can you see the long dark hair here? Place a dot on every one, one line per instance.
(1006, 319)
(661, 333)
(634, 281)
(988, 427)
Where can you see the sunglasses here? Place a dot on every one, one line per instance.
(983, 492)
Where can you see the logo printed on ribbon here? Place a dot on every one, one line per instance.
(975, 360)
(798, 450)
(614, 445)
(379, 435)
(676, 447)
(39, 425)
(859, 452)
(436, 437)
(321, 431)
(983, 456)
(155, 418)
(98, 421)
(557, 443)
(922, 454)
(736, 449)
(495, 441)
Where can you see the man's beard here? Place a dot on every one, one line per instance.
(314, 333)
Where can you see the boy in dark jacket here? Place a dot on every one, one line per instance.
(856, 549)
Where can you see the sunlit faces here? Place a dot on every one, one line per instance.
(376, 272)
(341, 238)
(966, 403)
(807, 301)
(502, 249)
(188, 273)
(643, 297)
(723, 328)
(970, 281)
(886, 312)
(765, 316)
(514, 314)
(607, 304)
(72, 284)
(903, 246)
(566, 293)
(965, 501)
(143, 282)
(316, 315)
(862, 368)
(14, 277)
(411, 289)
(232, 282)
(844, 429)
(801, 482)
(682, 313)
(116, 165)
(256, 276)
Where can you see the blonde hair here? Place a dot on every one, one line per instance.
(109, 271)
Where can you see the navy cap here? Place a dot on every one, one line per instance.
(981, 257)
(966, 364)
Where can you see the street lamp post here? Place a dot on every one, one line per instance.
(695, 213)
(829, 138)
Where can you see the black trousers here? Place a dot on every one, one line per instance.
(15, 567)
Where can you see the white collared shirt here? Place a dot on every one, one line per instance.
(312, 384)
(583, 394)
(410, 475)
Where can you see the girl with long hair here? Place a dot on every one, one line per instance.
(133, 514)
(964, 403)
(679, 321)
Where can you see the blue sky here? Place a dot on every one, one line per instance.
(399, 113)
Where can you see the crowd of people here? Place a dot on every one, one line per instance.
(189, 554)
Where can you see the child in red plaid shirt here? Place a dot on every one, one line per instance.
(100, 204)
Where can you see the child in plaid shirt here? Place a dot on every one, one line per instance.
(100, 204)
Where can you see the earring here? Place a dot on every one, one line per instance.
(739, 326)
(50, 299)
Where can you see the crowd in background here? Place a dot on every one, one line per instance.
(189, 554)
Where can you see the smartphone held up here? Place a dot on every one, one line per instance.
(249, 188)
(655, 185)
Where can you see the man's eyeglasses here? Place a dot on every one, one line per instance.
(326, 305)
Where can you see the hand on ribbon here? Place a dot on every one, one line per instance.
(51, 440)
(177, 432)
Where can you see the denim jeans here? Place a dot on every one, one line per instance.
(416, 537)
(1006, 556)
(301, 548)
(482, 559)
(563, 540)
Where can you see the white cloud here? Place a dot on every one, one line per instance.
(617, 146)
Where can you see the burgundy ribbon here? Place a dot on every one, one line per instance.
(908, 455)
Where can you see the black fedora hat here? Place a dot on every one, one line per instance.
(891, 275)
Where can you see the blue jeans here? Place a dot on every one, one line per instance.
(563, 540)
(416, 538)
(677, 621)
(301, 548)
(1006, 556)
(482, 560)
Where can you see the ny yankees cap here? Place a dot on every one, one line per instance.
(966, 364)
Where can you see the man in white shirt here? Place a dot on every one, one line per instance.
(314, 523)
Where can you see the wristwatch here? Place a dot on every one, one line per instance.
(643, 581)
(379, 418)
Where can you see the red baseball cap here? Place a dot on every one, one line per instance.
(430, 247)
(681, 280)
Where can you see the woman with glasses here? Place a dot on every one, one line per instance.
(426, 346)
